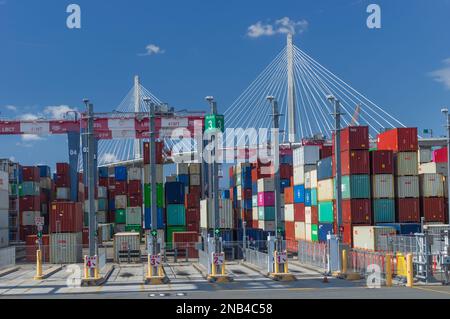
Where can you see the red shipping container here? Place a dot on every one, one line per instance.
(292, 245)
(112, 216)
(255, 224)
(356, 211)
(192, 200)
(248, 215)
(408, 210)
(399, 140)
(63, 168)
(354, 138)
(289, 195)
(314, 215)
(135, 200)
(134, 187)
(289, 230)
(261, 172)
(44, 197)
(111, 182)
(86, 192)
(32, 246)
(25, 231)
(66, 217)
(159, 146)
(80, 177)
(85, 237)
(246, 193)
(353, 162)
(347, 233)
(30, 174)
(120, 187)
(440, 155)
(193, 214)
(62, 180)
(30, 203)
(433, 209)
(326, 151)
(193, 226)
(186, 241)
(286, 171)
(299, 212)
(382, 162)
(197, 190)
(103, 181)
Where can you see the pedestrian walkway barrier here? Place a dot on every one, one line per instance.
(7, 257)
(313, 254)
(257, 258)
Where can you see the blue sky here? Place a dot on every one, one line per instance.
(205, 50)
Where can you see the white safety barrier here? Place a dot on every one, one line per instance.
(7, 257)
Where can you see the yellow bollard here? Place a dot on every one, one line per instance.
(286, 270)
(409, 271)
(213, 269)
(223, 269)
(38, 265)
(86, 269)
(388, 270)
(276, 262)
(344, 261)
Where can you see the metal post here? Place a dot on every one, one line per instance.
(244, 239)
(137, 91)
(290, 91)
(337, 137)
(448, 166)
(276, 154)
(90, 175)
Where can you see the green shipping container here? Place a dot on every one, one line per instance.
(133, 228)
(159, 195)
(120, 217)
(383, 210)
(86, 219)
(314, 197)
(169, 234)
(314, 232)
(13, 189)
(266, 213)
(326, 212)
(29, 189)
(355, 187)
(176, 215)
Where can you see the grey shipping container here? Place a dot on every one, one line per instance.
(4, 237)
(4, 219)
(66, 248)
(127, 245)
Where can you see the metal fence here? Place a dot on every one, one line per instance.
(313, 254)
(367, 262)
(7, 257)
(257, 258)
(203, 259)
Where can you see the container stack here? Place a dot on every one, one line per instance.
(4, 209)
(355, 172)
(62, 182)
(103, 201)
(192, 199)
(432, 200)
(383, 191)
(30, 200)
(403, 142)
(244, 200)
(120, 197)
(226, 219)
(12, 170)
(325, 191)
(266, 204)
(133, 217)
(66, 226)
(45, 185)
(175, 210)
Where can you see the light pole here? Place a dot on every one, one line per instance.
(276, 154)
(447, 126)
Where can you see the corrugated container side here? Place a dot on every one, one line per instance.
(431, 185)
(123, 242)
(383, 186)
(382, 162)
(407, 186)
(406, 163)
(366, 237)
(325, 190)
(66, 248)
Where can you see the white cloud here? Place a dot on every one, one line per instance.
(11, 108)
(443, 75)
(24, 145)
(31, 137)
(29, 117)
(281, 26)
(152, 49)
(58, 112)
(108, 158)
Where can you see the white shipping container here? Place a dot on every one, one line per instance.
(239, 192)
(433, 168)
(102, 192)
(406, 163)
(308, 215)
(325, 190)
(134, 173)
(266, 225)
(28, 218)
(425, 155)
(431, 185)
(299, 177)
(300, 231)
(121, 201)
(104, 231)
(101, 217)
(45, 182)
(308, 154)
(4, 218)
(383, 186)
(124, 242)
(195, 168)
(266, 185)
(4, 200)
(308, 232)
(182, 169)
(4, 181)
(66, 248)
(307, 180)
(255, 213)
(133, 216)
(63, 193)
(194, 180)
(225, 214)
(159, 173)
(408, 186)
(366, 237)
(171, 178)
(4, 237)
(313, 174)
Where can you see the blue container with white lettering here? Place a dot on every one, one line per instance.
(120, 173)
(299, 194)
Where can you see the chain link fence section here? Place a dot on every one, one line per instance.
(313, 254)
(257, 258)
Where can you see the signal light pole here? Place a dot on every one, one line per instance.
(447, 126)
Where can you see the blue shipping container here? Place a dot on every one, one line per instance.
(324, 229)
(255, 187)
(324, 169)
(183, 178)
(246, 177)
(112, 204)
(286, 159)
(174, 193)
(299, 194)
(148, 218)
(103, 172)
(120, 173)
(403, 229)
(308, 198)
(284, 183)
(247, 204)
(44, 171)
(226, 194)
